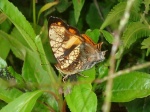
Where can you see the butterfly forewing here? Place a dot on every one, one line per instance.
(66, 47)
(56, 35)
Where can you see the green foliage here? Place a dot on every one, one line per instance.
(83, 101)
(19, 21)
(146, 45)
(28, 100)
(5, 45)
(3, 17)
(63, 5)
(28, 82)
(46, 7)
(131, 35)
(146, 2)
(135, 86)
(108, 36)
(117, 12)
(18, 49)
(77, 8)
(3, 64)
(93, 17)
(94, 35)
(140, 105)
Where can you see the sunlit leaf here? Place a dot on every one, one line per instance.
(23, 103)
(131, 86)
(82, 99)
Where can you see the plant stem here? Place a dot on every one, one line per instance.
(34, 13)
(109, 85)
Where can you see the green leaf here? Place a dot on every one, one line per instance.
(3, 17)
(108, 36)
(18, 78)
(23, 103)
(7, 94)
(82, 99)
(20, 22)
(44, 60)
(131, 86)
(18, 49)
(146, 104)
(33, 72)
(6, 25)
(146, 3)
(93, 34)
(72, 22)
(137, 5)
(78, 4)
(93, 18)
(114, 15)
(3, 63)
(138, 105)
(5, 45)
(17, 36)
(102, 70)
(132, 33)
(46, 7)
(146, 45)
(89, 75)
(63, 5)
(117, 12)
(36, 77)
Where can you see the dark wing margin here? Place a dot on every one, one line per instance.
(57, 20)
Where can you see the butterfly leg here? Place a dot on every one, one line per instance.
(65, 77)
(83, 75)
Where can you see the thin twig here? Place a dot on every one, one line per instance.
(98, 9)
(100, 13)
(123, 72)
(108, 93)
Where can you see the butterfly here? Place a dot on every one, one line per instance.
(73, 51)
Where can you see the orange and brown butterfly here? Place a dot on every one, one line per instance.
(73, 51)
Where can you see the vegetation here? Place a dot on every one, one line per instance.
(29, 81)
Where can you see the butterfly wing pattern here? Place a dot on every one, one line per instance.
(73, 51)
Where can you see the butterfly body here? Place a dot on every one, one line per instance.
(73, 51)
